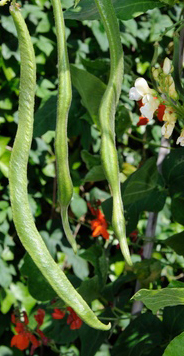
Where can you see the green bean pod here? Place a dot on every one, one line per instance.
(65, 187)
(107, 117)
(22, 215)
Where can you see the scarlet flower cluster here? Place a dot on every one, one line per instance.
(73, 320)
(98, 225)
(25, 336)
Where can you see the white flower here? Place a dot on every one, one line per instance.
(170, 118)
(167, 65)
(150, 106)
(140, 89)
(134, 95)
(180, 139)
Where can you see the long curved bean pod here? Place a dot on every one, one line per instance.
(22, 215)
(65, 187)
(107, 115)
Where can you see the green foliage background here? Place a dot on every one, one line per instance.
(99, 271)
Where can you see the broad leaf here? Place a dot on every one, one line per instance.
(96, 174)
(78, 205)
(156, 299)
(90, 88)
(3, 143)
(91, 340)
(89, 159)
(176, 346)
(141, 336)
(173, 170)
(35, 280)
(173, 321)
(143, 190)
(125, 9)
(176, 242)
(96, 256)
(177, 208)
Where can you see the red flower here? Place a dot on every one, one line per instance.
(24, 336)
(73, 320)
(142, 121)
(40, 316)
(160, 112)
(21, 341)
(19, 328)
(98, 225)
(58, 314)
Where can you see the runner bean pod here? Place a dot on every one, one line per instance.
(22, 215)
(107, 116)
(65, 187)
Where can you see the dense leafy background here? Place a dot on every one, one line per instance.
(99, 271)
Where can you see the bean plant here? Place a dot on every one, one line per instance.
(91, 161)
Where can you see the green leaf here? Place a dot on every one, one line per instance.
(100, 34)
(123, 121)
(8, 301)
(176, 346)
(96, 256)
(176, 242)
(35, 280)
(45, 117)
(95, 174)
(4, 163)
(159, 22)
(177, 209)
(52, 240)
(91, 340)
(125, 9)
(89, 289)
(96, 193)
(21, 294)
(173, 170)
(44, 25)
(78, 206)
(90, 88)
(6, 272)
(8, 24)
(156, 299)
(141, 336)
(5, 104)
(114, 288)
(3, 143)
(141, 183)
(147, 271)
(45, 45)
(80, 267)
(173, 321)
(143, 190)
(89, 159)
